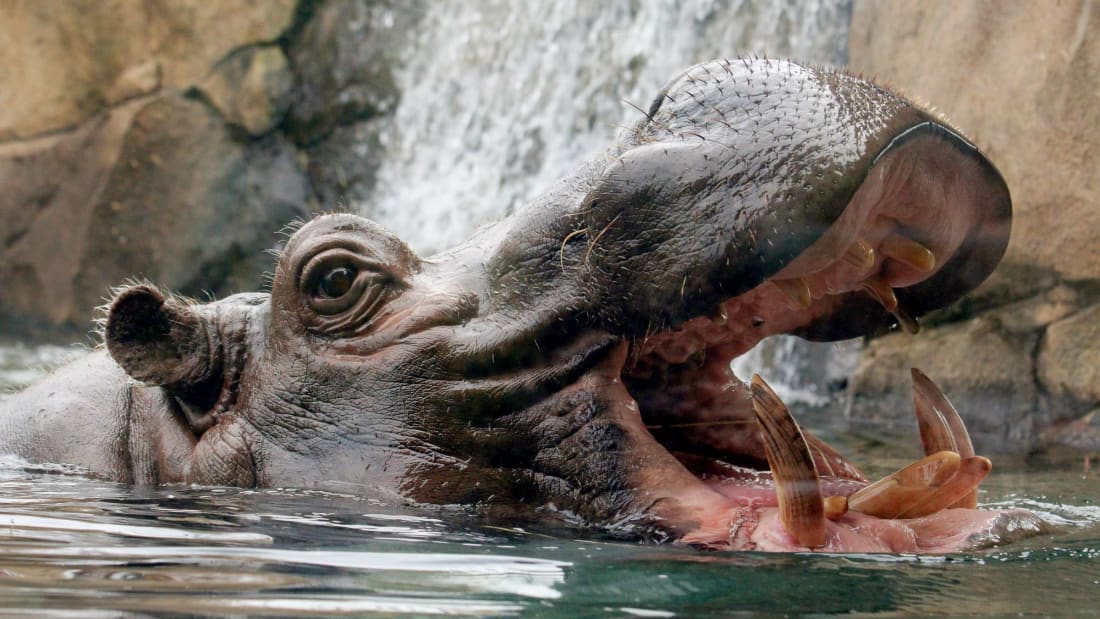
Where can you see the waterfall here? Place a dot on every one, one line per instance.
(501, 97)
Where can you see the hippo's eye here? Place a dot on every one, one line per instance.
(344, 289)
(337, 282)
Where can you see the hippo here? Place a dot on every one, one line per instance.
(573, 361)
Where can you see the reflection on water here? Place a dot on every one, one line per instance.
(80, 547)
(76, 547)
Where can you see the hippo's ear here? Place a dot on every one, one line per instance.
(160, 340)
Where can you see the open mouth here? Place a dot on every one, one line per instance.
(914, 237)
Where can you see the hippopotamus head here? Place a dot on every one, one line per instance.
(574, 358)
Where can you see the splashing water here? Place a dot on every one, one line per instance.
(501, 98)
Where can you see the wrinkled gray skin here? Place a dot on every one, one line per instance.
(511, 370)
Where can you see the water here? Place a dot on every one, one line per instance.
(72, 546)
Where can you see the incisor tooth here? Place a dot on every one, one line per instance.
(906, 321)
(797, 487)
(881, 291)
(963, 483)
(941, 427)
(719, 317)
(906, 250)
(860, 256)
(908, 489)
(796, 290)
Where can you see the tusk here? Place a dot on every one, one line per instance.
(964, 483)
(907, 251)
(941, 427)
(796, 290)
(797, 487)
(908, 489)
(860, 256)
(719, 316)
(907, 322)
(881, 291)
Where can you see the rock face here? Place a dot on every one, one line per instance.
(1019, 79)
(172, 140)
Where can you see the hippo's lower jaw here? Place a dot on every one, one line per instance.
(927, 507)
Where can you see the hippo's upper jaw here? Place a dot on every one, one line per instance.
(575, 358)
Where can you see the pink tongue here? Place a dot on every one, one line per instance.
(949, 530)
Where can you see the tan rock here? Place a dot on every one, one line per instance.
(1069, 360)
(1020, 79)
(61, 62)
(251, 88)
(48, 184)
(1036, 313)
(155, 188)
(986, 372)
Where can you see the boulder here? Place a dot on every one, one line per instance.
(49, 184)
(98, 54)
(986, 371)
(1069, 362)
(251, 88)
(190, 204)
(152, 150)
(157, 188)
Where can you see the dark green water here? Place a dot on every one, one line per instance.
(75, 547)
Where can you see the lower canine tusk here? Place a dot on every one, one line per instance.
(941, 426)
(797, 487)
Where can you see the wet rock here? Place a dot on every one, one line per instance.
(192, 205)
(98, 54)
(343, 60)
(986, 371)
(251, 88)
(1069, 362)
(344, 167)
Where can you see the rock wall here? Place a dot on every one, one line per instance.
(1021, 357)
(130, 128)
